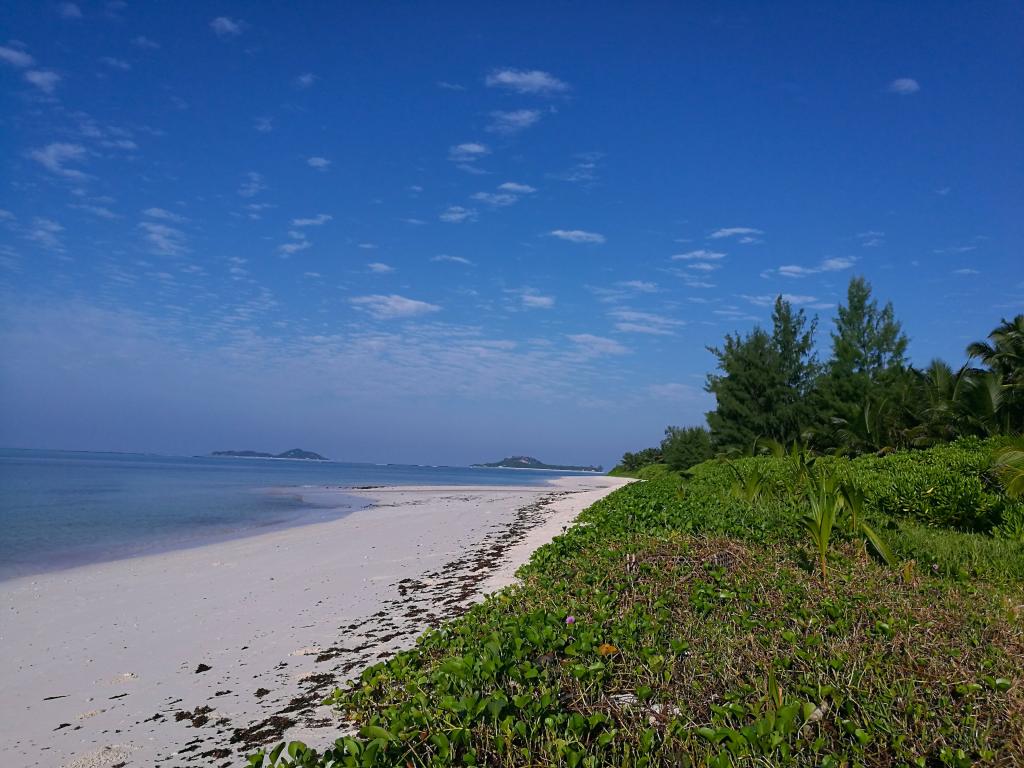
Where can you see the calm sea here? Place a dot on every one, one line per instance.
(64, 508)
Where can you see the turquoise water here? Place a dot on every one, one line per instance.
(64, 508)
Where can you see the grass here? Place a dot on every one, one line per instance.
(680, 625)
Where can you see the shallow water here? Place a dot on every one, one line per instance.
(59, 509)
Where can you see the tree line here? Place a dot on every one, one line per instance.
(865, 397)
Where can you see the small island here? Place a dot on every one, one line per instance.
(528, 462)
(294, 453)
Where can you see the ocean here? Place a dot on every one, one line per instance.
(59, 509)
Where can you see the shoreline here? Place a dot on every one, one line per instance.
(202, 654)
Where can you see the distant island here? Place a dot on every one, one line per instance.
(294, 453)
(528, 462)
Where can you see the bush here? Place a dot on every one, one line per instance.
(683, 448)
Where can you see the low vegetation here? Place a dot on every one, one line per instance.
(737, 613)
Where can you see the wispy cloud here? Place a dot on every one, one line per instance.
(456, 214)
(583, 172)
(263, 124)
(319, 163)
(768, 300)
(144, 42)
(392, 306)
(966, 271)
(592, 345)
(510, 123)
(515, 188)
(531, 298)
(703, 266)
(226, 27)
(306, 80)
(577, 236)
(871, 239)
(532, 81)
(69, 11)
(54, 158)
(163, 239)
(162, 213)
(445, 85)
(745, 234)
(45, 233)
(113, 63)
(379, 268)
(44, 80)
(99, 211)
(452, 259)
(834, 264)
(904, 86)
(253, 184)
(497, 199)
(15, 57)
(700, 254)
(631, 321)
(468, 152)
(315, 221)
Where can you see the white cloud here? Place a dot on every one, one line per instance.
(225, 27)
(497, 199)
(834, 264)
(320, 163)
(630, 321)
(113, 63)
(392, 306)
(904, 86)
(379, 268)
(871, 238)
(263, 124)
(577, 236)
(445, 85)
(312, 275)
(15, 57)
(456, 214)
(144, 42)
(596, 345)
(54, 157)
(509, 123)
(767, 300)
(675, 391)
(367, 246)
(526, 81)
(641, 286)
(45, 233)
(252, 185)
(96, 210)
(467, 152)
(315, 221)
(289, 249)
(69, 11)
(305, 80)
(162, 213)
(529, 298)
(966, 271)
(515, 188)
(699, 255)
(44, 80)
(749, 232)
(452, 259)
(703, 266)
(164, 240)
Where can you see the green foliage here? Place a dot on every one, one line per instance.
(824, 503)
(763, 382)
(700, 640)
(683, 448)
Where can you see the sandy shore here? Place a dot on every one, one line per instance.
(196, 656)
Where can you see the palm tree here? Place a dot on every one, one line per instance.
(1003, 354)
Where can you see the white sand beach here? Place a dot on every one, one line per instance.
(194, 656)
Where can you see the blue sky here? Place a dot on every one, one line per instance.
(389, 232)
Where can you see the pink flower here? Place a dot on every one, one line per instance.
(570, 620)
